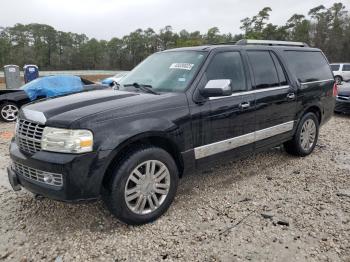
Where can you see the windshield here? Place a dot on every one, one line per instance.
(166, 72)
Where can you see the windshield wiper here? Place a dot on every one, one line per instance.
(145, 88)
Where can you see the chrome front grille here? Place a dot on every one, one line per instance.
(28, 135)
(48, 178)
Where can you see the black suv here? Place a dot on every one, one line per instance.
(176, 110)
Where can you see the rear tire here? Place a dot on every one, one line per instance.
(8, 111)
(142, 186)
(305, 138)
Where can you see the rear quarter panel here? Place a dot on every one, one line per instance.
(317, 93)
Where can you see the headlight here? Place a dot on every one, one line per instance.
(66, 140)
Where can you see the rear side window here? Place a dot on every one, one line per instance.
(309, 66)
(335, 67)
(264, 70)
(346, 67)
(228, 65)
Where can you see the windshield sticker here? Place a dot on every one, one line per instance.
(183, 66)
(182, 79)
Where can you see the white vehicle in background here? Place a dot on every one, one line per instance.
(341, 72)
(111, 81)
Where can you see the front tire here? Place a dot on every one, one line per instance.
(143, 186)
(8, 111)
(305, 138)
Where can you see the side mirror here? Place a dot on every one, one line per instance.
(217, 87)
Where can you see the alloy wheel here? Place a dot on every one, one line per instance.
(147, 187)
(9, 112)
(308, 134)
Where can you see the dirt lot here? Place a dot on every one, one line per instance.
(269, 207)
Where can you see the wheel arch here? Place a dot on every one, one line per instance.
(10, 101)
(157, 139)
(316, 110)
(341, 77)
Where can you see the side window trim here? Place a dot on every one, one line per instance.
(318, 81)
(254, 91)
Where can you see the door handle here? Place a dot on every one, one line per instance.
(244, 105)
(291, 96)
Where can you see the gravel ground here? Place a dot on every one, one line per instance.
(269, 207)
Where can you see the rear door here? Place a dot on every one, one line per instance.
(275, 98)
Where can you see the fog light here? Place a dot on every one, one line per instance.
(48, 178)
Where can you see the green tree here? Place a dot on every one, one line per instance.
(325, 28)
(298, 28)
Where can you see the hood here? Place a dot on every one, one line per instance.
(8, 91)
(63, 111)
(16, 95)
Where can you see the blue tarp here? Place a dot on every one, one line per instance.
(52, 86)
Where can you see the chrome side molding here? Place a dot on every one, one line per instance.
(235, 142)
(315, 82)
(252, 92)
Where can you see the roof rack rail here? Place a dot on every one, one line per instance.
(270, 43)
(225, 43)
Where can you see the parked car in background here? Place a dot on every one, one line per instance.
(341, 72)
(175, 111)
(111, 81)
(11, 100)
(343, 99)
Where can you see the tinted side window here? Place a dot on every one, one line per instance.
(264, 70)
(309, 66)
(335, 67)
(280, 71)
(228, 65)
(346, 67)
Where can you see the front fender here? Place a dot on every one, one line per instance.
(138, 129)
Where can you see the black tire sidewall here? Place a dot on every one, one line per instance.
(306, 117)
(116, 197)
(2, 106)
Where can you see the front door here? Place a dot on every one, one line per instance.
(227, 123)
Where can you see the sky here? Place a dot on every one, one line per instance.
(104, 19)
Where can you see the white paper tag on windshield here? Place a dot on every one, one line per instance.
(183, 66)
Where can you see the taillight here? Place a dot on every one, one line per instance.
(335, 90)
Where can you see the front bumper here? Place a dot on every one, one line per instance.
(342, 106)
(82, 174)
